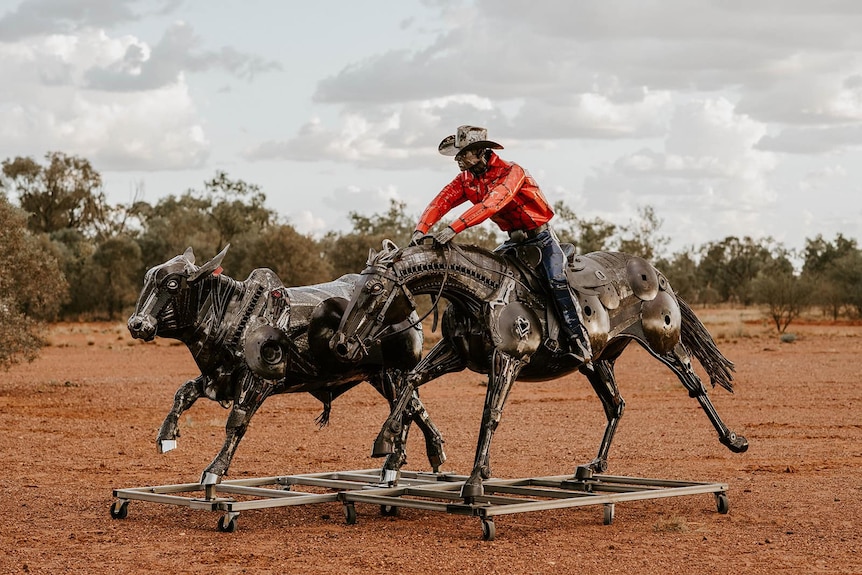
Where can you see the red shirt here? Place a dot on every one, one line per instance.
(506, 193)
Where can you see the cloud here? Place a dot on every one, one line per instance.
(396, 137)
(47, 17)
(816, 140)
(144, 68)
(48, 107)
(606, 70)
(121, 102)
(709, 172)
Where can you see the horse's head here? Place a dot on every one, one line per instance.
(166, 300)
(379, 301)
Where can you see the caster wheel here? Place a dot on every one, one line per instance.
(388, 510)
(350, 514)
(609, 514)
(722, 503)
(227, 524)
(119, 509)
(488, 530)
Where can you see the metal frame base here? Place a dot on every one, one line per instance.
(417, 490)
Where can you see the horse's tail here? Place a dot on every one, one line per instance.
(695, 337)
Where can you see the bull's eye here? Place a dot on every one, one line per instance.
(375, 288)
(172, 284)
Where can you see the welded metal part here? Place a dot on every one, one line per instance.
(255, 338)
(498, 315)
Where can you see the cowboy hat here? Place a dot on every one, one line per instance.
(466, 138)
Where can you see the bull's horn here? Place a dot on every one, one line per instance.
(208, 267)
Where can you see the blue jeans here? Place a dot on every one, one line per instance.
(554, 264)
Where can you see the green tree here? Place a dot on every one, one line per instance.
(32, 287)
(729, 266)
(784, 295)
(65, 193)
(348, 252)
(296, 259)
(826, 269)
(113, 276)
(641, 237)
(682, 272)
(586, 235)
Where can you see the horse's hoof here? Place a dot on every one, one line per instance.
(166, 445)
(470, 491)
(583, 472)
(389, 477)
(210, 478)
(735, 443)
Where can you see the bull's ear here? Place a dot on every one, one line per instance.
(208, 268)
(189, 254)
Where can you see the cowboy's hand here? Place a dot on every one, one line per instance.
(416, 238)
(445, 235)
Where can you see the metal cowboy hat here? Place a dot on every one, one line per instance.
(466, 138)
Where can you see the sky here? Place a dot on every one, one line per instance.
(727, 117)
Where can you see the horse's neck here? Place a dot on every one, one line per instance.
(469, 276)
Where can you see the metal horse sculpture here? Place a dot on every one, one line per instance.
(256, 338)
(498, 322)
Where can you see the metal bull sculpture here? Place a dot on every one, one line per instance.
(498, 323)
(256, 338)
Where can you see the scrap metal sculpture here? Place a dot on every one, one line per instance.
(256, 338)
(498, 323)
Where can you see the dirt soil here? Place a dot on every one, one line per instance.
(82, 419)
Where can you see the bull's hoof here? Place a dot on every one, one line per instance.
(166, 445)
(436, 455)
(735, 443)
(383, 446)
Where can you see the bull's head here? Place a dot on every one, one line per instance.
(166, 304)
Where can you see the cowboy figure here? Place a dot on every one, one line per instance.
(504, 192)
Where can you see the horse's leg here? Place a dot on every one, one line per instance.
(679, 361)
(388, 384)
(186, 395)
(604, 384)
(252, 392)
(504, 372)
(441, 359)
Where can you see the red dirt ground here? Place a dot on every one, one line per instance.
(81, 421)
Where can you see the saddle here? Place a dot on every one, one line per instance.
(586, 276)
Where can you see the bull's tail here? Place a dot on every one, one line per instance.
(695, 337)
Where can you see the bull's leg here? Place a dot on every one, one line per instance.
(186, 395)
(504, 372)
(604, 383)
(678, 360)
(252, 392)
(441, 359)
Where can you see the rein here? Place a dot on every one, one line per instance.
(400, 283)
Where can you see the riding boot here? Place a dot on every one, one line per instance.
(570, 314)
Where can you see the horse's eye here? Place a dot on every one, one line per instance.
(172, 284)
(375, 288)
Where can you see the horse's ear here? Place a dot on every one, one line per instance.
(189, 254)
(371, 255)
(210, 267)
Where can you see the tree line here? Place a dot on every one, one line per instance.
(69, 254)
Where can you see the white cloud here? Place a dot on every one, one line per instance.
(48, 107)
